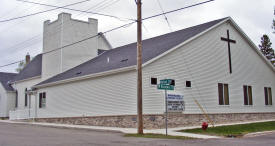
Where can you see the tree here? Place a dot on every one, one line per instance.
(266, 49)
(21, 66)
(273, 23)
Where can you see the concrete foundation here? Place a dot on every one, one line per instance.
(158, 121)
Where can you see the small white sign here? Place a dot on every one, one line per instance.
(175, 102)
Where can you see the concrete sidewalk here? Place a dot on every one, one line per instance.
(171, 131)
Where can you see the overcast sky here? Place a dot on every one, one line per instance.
(25, 35)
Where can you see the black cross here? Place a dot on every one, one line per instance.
(228, 40)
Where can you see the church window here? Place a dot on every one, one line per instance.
(16, 99)
(42, 100)
(188, 83)
(268, 95)
(26, 97)
(247, 90)
(154, 81)
(223, 92)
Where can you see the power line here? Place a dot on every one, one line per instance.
(106, 4)
(166, 19)
(32, 38)
(18, 11)
(20, 17)
(145, 28)
(178, 9)
(122, 26)
(97, 5)
(10, 64)
(113, 29)
(62, 7)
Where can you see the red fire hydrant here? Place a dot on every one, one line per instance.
(204, 126)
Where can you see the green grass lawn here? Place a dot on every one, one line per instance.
(150, 135)
(235, 130)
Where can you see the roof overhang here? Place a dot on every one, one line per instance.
(110, 72)
(24, 80)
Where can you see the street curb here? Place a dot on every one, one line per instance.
(112, 129)
(259, 133)
(171, 131)
(61, 126)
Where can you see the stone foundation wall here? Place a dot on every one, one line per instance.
(158, 121)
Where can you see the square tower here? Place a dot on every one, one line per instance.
(63, 47)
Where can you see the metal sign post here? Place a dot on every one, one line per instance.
(166, 117)
(166, 85)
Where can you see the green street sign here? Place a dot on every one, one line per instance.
(165, 87)
(166, 81)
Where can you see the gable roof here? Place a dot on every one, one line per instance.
(125, 56)
(5, 78)
(33, 69)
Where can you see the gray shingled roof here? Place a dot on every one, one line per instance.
(33, 69)
(5, 78)
(126, 55)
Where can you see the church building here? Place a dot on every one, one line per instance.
(55, 59)
(219, 72)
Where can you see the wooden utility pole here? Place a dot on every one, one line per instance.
(139, 68)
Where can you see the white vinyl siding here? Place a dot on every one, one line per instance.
(204, 61)
(7, 101)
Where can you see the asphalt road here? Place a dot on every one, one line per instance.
(29, 135)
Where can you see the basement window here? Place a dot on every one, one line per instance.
(154, 81)
(42, 100)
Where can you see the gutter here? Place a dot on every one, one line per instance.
(133, 67)
(35, 77)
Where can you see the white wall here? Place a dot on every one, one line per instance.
(10, 102)
(203, 61)
(7, 102)
(3, 99)
(111, 95)
(20, 87)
